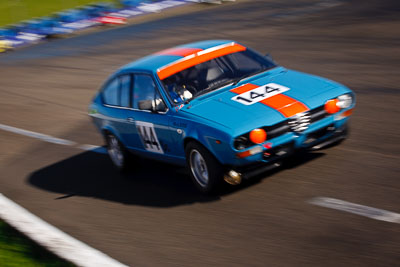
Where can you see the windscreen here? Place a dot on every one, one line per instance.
(213, 74)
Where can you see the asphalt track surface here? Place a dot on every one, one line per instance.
(155, 216)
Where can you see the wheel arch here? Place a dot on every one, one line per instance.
(204, 143)
(109, 130)
(189, 139)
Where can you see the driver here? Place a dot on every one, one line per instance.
(179, 93)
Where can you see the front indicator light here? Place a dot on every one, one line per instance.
(331, 106)
(258, 136)
(251, 151)
(345, 114)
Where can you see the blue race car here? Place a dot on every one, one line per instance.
(218, 107)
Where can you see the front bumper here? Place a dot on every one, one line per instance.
(320, 134)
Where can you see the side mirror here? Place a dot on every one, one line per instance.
(146, 105)
(152, 105)
(160, 106)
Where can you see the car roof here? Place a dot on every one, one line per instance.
(162, 58)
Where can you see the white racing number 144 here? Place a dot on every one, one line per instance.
(260, 93)
(149, 137)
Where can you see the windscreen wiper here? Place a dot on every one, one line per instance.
(206, 90)
(237, 80)
(197, 94)
(234, 81)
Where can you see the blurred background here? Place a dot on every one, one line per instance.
(14, 11)
(154, 216)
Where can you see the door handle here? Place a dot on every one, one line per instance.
(130, 119)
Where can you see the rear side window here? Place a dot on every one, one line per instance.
(125, 89)
(110, 93)
(117, 91)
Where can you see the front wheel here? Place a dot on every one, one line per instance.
(205, 170)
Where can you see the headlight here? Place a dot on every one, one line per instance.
(256, 136)
(344, 101)
(241, 142)
(331, 106)
(335, 105)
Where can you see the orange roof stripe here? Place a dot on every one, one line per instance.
(179, 51)
(198, 57)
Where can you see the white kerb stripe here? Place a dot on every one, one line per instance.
(370, 212)
(52, 238)
(40, 136)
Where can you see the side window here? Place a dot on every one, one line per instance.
(125, 88)
(145, 95)
(110, 93)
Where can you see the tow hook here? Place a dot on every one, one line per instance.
(232, 177)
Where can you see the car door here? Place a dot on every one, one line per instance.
(149, 115)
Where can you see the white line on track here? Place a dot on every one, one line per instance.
(52, 238)
(370, 212)
(43, 137)
(52, 139)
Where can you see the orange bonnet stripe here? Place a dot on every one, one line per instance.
(286, 105)
(244, 88)
(199, 57)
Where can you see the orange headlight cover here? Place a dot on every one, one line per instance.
(258, 136)
(331, 106)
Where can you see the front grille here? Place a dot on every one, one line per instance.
(317, 114)
(277, 129)
(297, 123)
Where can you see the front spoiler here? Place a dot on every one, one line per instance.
(284, 151)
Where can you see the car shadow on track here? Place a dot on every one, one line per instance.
(153, 183)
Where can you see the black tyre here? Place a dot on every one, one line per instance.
(205, 170)
(119, 156)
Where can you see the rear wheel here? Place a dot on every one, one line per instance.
(119, 156)
(205, 170)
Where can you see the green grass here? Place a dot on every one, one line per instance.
(17, 250)
(14, 11)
